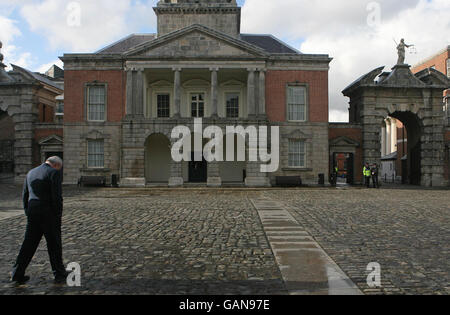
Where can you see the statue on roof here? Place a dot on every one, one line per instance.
(401, 49)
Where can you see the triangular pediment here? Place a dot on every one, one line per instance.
(51, 140)
(431, 76)
(298, 134)
(196, 41)
(344, 142)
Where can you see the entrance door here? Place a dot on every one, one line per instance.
(198, 171)
(350, 170)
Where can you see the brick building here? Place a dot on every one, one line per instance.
(123, 101)
(439, 62)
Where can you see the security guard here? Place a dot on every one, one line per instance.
(374, 173)
(336, 172)
(367, 173)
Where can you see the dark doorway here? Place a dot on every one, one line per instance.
(198, 171)
(50, 154)
(344, 161)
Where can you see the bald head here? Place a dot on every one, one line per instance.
(55, 161)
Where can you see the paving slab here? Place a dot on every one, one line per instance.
(304, 265)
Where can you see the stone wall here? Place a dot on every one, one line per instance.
(76, 136)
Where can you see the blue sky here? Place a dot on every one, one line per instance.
(358, 34)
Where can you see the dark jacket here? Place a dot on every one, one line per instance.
(43, 188)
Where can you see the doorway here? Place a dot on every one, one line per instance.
(344, 161)
(198, 170)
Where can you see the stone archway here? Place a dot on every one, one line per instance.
(411, 149)
(157, 159)
(414, 99)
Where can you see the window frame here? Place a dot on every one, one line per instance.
(305, 86)
(448, 67)
(88, 154)
(238, 94)
(197, 101)
(87, 104)
(168, 104)
(300, 153)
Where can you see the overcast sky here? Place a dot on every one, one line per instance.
(358, 34)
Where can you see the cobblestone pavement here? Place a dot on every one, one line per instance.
(407, 231)
(199, 241)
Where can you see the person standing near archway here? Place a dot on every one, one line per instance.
(374, 174)
(367, 173)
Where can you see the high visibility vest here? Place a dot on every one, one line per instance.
(367, 172)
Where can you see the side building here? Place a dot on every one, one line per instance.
(123, 101)
(30, 129)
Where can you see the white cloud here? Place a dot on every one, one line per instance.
(100, 22)
(44, 67)
(12, 54)
(340, 29)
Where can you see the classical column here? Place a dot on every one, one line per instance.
(383, 140)
(251, 93)
(177, 92)
(394, 135)
(388, 137)
(262, 93)
(129, 107)
(214, 93)
(139, 105)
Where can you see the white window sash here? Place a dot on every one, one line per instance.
(297, 153)
(96, 103)
(296, 103)
(96, 154)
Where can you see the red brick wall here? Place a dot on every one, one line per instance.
(46, 113)
(276, 83)
(40, 134)
(354, 134)
(74, 93)
(440, 62)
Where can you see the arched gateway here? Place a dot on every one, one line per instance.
(417, 101)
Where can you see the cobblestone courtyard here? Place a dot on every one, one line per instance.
(199, 241)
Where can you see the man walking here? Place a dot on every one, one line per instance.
(367, 173)
(43, 205)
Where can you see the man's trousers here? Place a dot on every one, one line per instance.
(41, 222)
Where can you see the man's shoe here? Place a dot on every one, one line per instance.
(61, 278)
(20, 280)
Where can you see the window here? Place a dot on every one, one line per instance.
(96, 155)
(60, 108)
(448, 68)
(297, 103)
(232, 105)
(198, 105)
(297, 155)
(163, 103)
(96, 103)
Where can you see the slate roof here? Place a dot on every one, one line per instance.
(37, 76)
(126, 43)
(269, 43)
